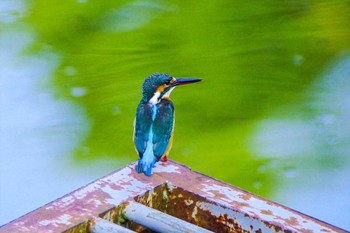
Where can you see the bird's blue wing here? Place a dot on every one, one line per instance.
(163, 127)
(143, 124)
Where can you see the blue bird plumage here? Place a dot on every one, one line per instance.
(154, 122)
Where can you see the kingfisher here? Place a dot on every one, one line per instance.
(154, 122)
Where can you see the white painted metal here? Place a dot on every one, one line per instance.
(103, 226)
(158, 221)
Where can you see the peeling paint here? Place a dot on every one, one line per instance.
(173, 189)
(170, 186)
(194, 212)
(166, 168)
(63, 219)
(187, 202)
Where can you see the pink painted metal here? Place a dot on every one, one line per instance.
(174, 189)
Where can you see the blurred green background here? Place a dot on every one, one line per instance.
(271, 115)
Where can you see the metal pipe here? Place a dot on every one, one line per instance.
(99, 225)
(158, 221)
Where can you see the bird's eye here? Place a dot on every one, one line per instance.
(168, 82)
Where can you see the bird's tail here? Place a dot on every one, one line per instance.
(144, 167)
(145, 164)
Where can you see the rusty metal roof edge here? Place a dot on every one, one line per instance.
(14, 221)
(62, 197)
(260, 197)
(278, 204)
(111, 190)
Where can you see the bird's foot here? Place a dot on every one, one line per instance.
(164, 159)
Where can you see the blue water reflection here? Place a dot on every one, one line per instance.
(38, 132)
(308, 144)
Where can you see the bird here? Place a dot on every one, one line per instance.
(154, 121)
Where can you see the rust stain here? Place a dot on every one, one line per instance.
(245, 196)
(83, 227)
(186, 206)
(292, 221)
(276, 227)
(306, 231)
(266, 212)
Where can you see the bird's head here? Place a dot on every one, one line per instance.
(158, 86)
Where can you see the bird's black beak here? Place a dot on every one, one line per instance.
(183, 81)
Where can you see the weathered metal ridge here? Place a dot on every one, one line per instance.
(173, 189)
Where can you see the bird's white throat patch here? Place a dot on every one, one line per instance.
(155, 99)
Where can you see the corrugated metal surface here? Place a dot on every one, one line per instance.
(173, 189)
